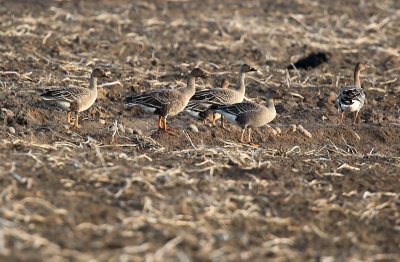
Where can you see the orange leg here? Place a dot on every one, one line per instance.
(69, 117)
(168, 130)
(249, 136)
(355, 118)
(160, 122)
(76, 119)
(249, 139)
(341, 118)
(222, 122)
(242, 137)
(214, 119)
(165, 123)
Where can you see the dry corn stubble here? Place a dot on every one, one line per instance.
(101, 193)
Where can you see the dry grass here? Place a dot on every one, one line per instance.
(312, 191)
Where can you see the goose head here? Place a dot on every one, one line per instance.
(97, 72)
(198, 72)
(361, 66)
(247, 68)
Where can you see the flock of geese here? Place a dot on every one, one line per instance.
(223, 103)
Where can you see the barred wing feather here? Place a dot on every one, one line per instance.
(156, 99)
(237, 109)
(348, 96)
(66, 94)
(216, 95)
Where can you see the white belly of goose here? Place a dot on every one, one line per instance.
(230, 117)
(147, 109)
(64, 105)
(355, 106)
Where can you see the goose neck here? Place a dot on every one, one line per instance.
(191, 85)
(357, 81)
(241, 82)
(93, 83)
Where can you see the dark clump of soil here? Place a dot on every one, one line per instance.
(311, 61)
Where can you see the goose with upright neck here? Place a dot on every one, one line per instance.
(223, 96)
(352, 98)
(167, 102)
(76, 99)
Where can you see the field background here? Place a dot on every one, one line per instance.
(118, 190)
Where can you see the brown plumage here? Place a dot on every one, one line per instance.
(76, 99)
(167, 102)
(200, 111)
(247, 115)
(222, 96)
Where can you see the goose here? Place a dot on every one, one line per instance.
(76, 99)
(200, 111)
(248, 115)
(167, 102)
(352, 98)
(224, 96)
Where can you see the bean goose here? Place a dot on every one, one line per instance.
(248, 115)
(352, 98)
(200, 110)
(76, 99)
(224, 96)
(167, 102)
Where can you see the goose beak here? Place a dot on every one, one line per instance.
(252, 69)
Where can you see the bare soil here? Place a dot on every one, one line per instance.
(117, 189)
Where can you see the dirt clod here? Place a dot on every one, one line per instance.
(193, 128)
(11, 130)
